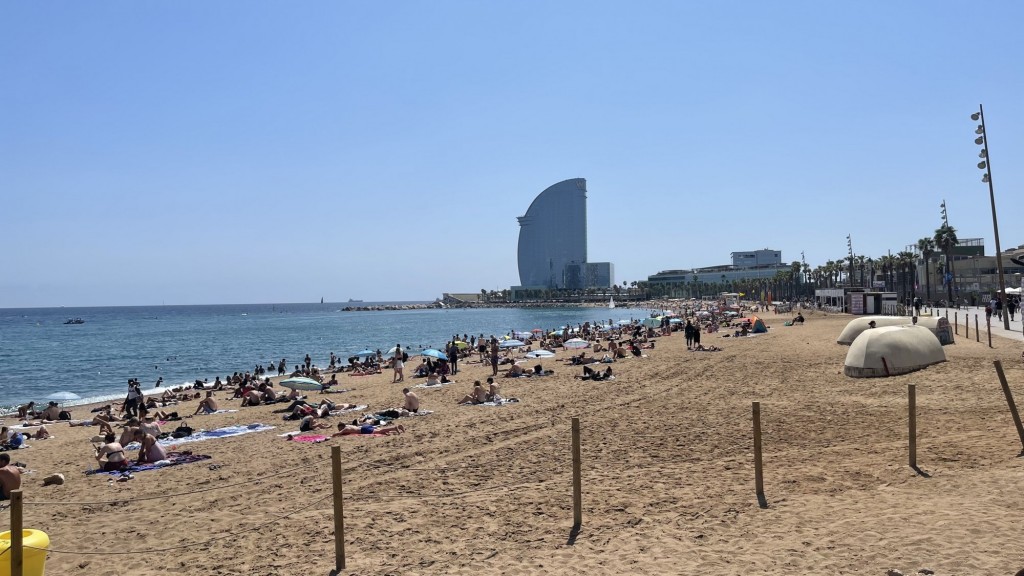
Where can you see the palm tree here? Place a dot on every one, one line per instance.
(927, 248)
(945, 240)
(860, 260)
(905, 263)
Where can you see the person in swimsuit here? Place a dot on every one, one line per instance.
(10, 476)
(477, 396)
(310, 423)
(207, 405)
(398, 364)
(150, 451)
(114, 454)
(349, 429)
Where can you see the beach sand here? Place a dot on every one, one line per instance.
(667, 468)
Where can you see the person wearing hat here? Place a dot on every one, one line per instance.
(150, 426)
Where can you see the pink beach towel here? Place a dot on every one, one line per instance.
(314, 438)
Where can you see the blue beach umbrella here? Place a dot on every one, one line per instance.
(364, 353)
(540, 354)
(432, 353)
(299, 383)
(511, 344)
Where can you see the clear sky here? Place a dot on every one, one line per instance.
(226, 152)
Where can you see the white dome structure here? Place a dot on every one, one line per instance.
(858, 325)
(892, 350)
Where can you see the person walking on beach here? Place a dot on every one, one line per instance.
(494, 356)
(398, 364)
(131, 402)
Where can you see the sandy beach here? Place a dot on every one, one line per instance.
(667, 468)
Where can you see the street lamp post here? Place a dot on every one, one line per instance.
(986, 165)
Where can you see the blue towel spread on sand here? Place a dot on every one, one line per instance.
(202, 435)
(173, 459)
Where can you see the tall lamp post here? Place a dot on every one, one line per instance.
(986, 165)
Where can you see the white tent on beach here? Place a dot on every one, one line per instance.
(892, 350)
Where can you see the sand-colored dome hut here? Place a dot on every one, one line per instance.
(858, 325)
(892, 350)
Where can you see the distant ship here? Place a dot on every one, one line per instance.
(353, 300)
(74, 321)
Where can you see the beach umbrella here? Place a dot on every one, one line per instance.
(540, 354)
(651, 322)
(63, 397)
(511, 344)
(522, 334)
(576, 344)
(537, 331)
(364, 353)
(556, 333)
(300, 383)
(460, 344)
(432, 353)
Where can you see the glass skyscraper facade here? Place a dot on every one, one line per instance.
(553, 237)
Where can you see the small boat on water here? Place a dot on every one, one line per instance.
(611, 302)
(351, 300)
(74, 321)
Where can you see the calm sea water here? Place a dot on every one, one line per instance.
(40, 355)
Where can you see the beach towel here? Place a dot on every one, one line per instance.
(208, 435)
(438, 385)
(173, 459)
(338, 391)
(222, 411)
(312, 438)
(501, 402)
(356, 409)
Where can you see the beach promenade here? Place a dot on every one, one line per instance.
(667, 474)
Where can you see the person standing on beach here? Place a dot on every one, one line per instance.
(131, 402)
(398, 364)
(280, 367)
(453, 357)
(494, 356)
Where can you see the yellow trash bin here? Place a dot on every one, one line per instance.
(33, 561)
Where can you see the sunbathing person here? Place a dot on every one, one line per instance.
(128, 432)
(26, 410)
(477, 396)
(41, 433)
(433, 379)
(51, 412)
(332, 382)
(493, 390)
(349, 429)
(711, 348)
(310, 423)
(251, 398)
(150, 450)
(515, 371)
(207, 405)
(113, 452)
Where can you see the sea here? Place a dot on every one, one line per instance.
(41, 355)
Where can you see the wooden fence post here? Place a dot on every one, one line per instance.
(912, 413)
(956, 323)
(967, 325)
(977, 333)
(1009, 402)
(339, 511)
(577, 482)
(17, 526)
(758, 470)
(988, 329)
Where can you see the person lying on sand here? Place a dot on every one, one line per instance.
(515, 371)
(349, 429)
(97, 420)
(711, 348)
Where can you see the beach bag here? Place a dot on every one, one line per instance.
(405, 356)
(182, 431)
(64, 415)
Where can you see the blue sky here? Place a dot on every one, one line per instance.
(222, 152)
